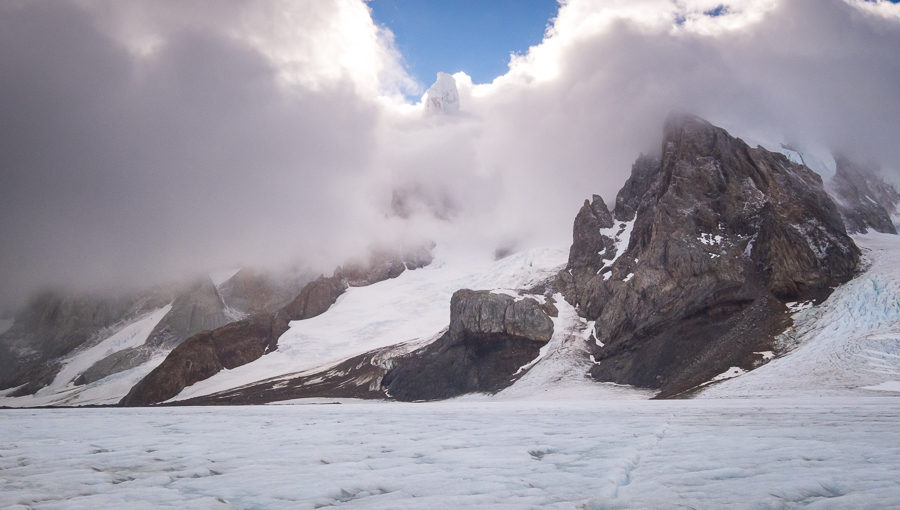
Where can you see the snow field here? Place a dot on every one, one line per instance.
(749, 453)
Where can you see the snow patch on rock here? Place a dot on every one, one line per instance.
(620, 233)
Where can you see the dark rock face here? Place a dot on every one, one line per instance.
(865, 200)
(201, 357)
(199, 308)
(196, 308)
(53, 325)
(721, 235)
(490, 337)
(383, 265)
(249, 292)
(485, 313)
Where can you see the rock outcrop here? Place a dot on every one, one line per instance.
(490, 337)
(251, 292)
(199, 308)
(202, 356)
(707, 242)
(383, 264)
(865, 200)
(196, 308)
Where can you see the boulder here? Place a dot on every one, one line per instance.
(490, 337)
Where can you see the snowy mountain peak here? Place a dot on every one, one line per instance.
(442, 97)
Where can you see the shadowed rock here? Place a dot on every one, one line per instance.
(490, 337)
(201, 357)
(200, 308)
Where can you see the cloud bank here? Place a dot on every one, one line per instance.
(144, 142)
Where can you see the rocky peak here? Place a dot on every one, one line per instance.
(588, 239)
(442, 96)
(710, 237)
(198, 308)
(250, 292)
(865, 200)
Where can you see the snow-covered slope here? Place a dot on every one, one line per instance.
(414, 306)
(848, 344)
(63, 391)
(560, 372)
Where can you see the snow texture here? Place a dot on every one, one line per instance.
(559, 372)
(595, 454)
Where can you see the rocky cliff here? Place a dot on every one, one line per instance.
(706, 244)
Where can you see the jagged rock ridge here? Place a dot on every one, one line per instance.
(708, 242)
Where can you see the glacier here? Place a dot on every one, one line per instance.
(803, 452)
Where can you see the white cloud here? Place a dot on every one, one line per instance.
(147, 140)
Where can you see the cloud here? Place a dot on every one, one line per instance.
(574, 112)
(134, 167)
(145, 141)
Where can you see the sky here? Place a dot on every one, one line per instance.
(148, 141)
(474, 36)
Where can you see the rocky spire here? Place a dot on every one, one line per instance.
(442, 97)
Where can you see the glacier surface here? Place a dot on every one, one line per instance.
(594, 454)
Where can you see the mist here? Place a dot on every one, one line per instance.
(143, 143)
